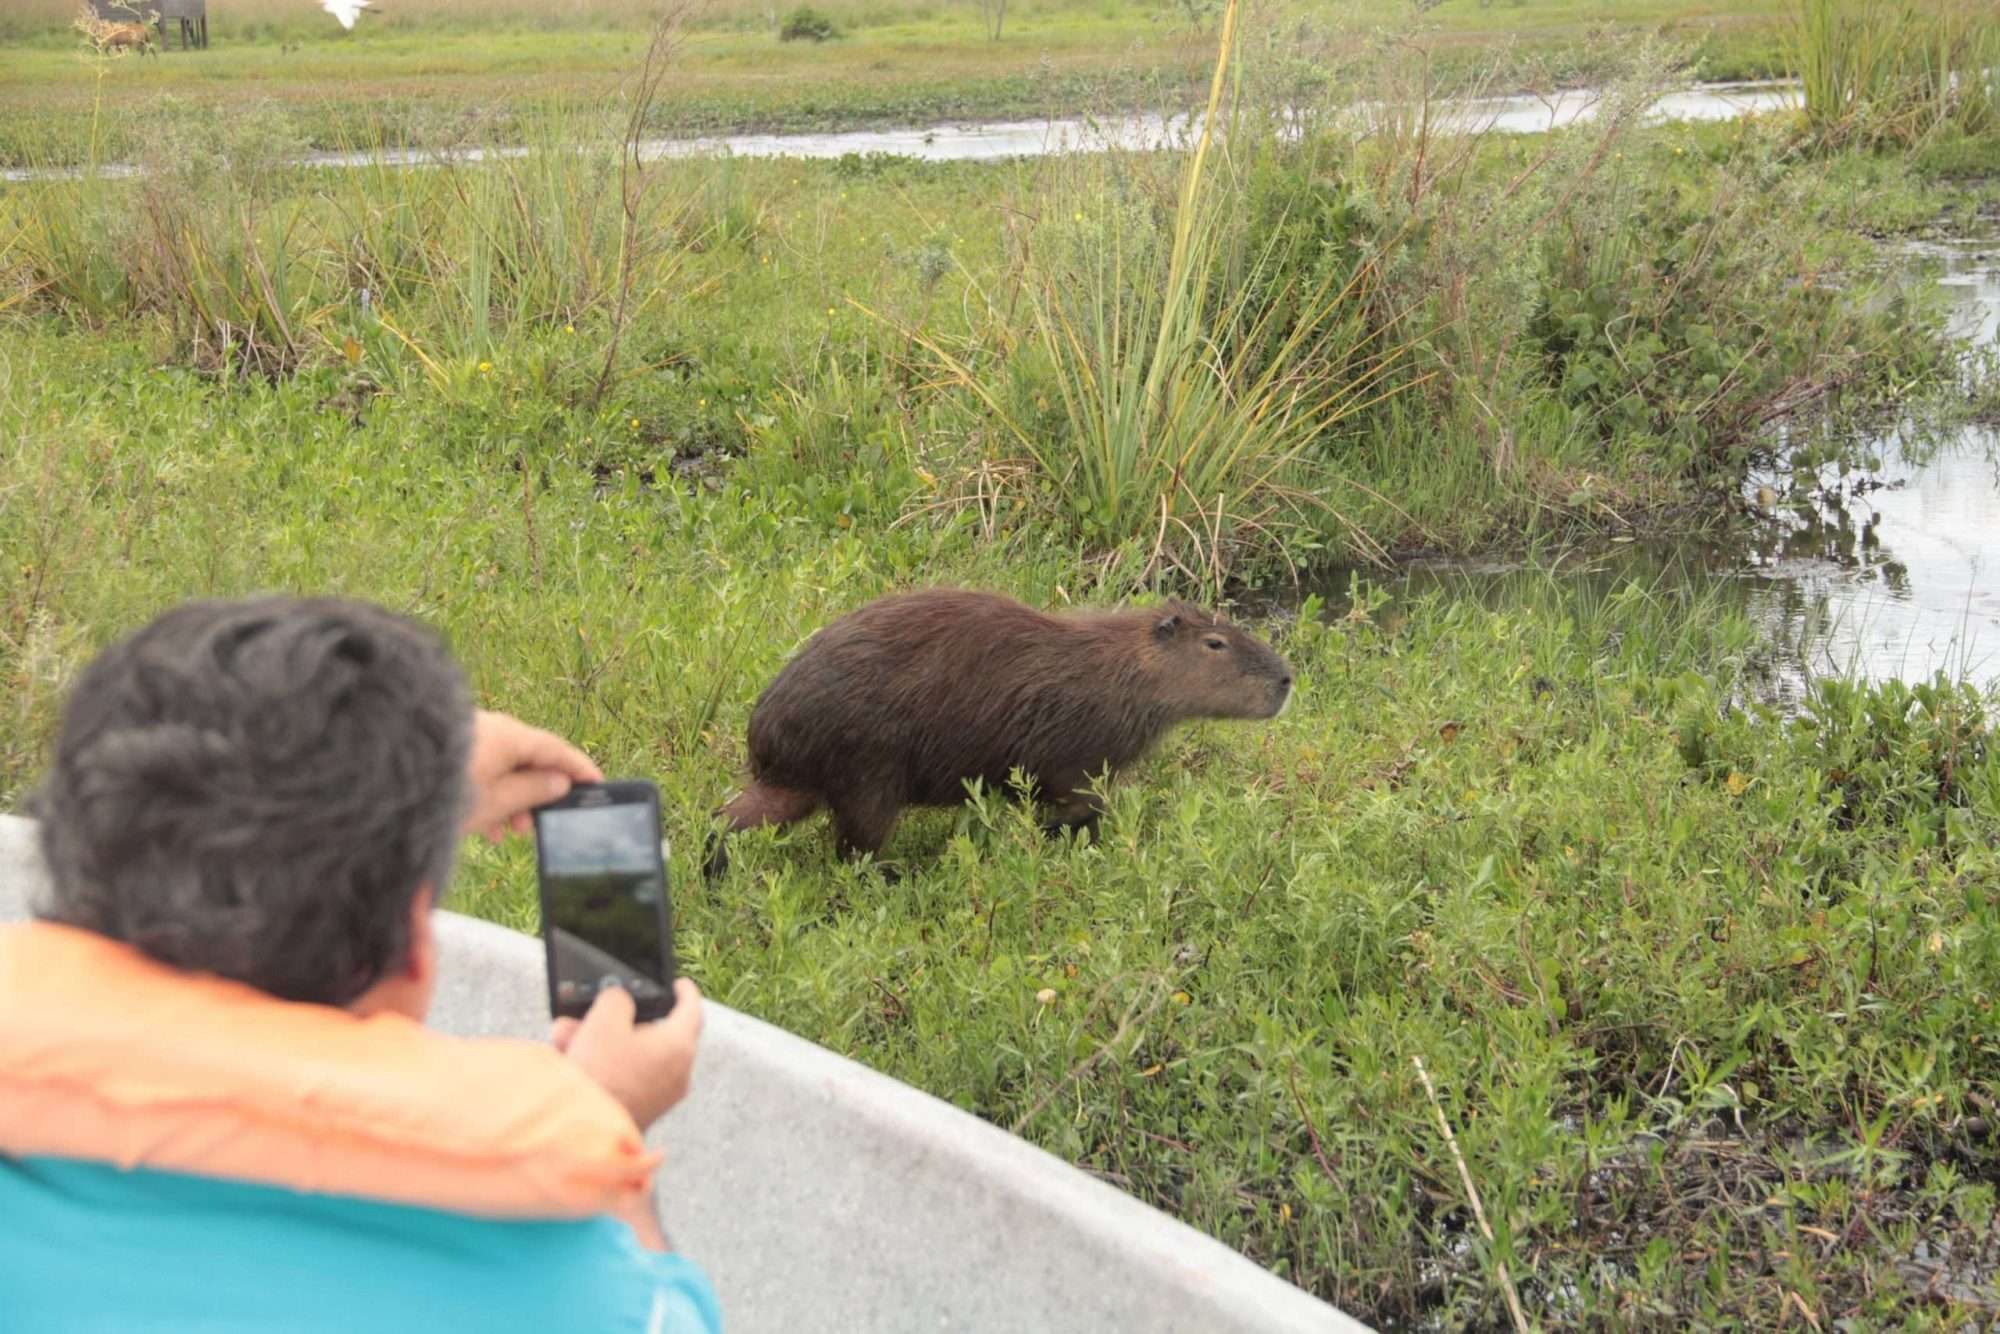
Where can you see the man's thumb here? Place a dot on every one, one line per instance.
(614, 1009)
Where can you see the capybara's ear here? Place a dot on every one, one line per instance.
(1165, 627)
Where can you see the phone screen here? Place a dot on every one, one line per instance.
(604, 903)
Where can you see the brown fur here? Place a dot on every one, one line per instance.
(903, 701)
(113, 36)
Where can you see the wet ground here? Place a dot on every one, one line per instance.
(992, 141)
(1893, 573)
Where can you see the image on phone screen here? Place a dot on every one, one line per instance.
(604, 905)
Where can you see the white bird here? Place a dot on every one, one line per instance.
(345, 10)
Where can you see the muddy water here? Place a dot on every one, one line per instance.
(995, 140)
(1893, 574)
(1006, 139)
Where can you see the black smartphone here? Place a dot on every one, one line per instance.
(605, 920)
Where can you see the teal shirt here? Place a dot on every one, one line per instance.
(86, 1247)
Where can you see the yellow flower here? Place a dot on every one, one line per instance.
(1737, 783)
(1079, 217)
(485, 366)
(569, 328)
(829, 312)
(701, 403)
(635, 423)
(1182, 998)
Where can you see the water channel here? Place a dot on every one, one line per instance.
(997, 140)
(1892, 574)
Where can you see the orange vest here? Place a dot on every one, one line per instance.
(108, 1056)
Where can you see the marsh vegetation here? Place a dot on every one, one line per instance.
(1705, 976)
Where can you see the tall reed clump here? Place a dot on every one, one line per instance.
(224, 247)
(1166, 406)
(212, 238)
(455, 258)
(1895, 72)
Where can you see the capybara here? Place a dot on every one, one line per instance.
(901, 702)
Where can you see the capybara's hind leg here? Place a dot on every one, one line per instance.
(862, 820)
(755, 806)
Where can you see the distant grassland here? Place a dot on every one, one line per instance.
(422, 73)
(1460, 18)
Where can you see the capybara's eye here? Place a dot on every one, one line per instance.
(1217, 642)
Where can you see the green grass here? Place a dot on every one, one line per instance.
(405, 85)
(1700, 991)
(480, 68)
(1501, 339)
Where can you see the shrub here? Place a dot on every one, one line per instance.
(808, 25)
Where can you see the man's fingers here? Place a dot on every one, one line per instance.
(528, 747)
(511, 796)
(647, 1068)
(515, 768)
(562, 1031)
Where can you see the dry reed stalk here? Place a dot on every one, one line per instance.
(1472, 1193)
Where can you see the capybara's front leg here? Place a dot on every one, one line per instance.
(1073, 808)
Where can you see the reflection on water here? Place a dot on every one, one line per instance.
(1519, 114)
(1900, 568)
(1895, 581)
(1971, 277)
(1894, 575)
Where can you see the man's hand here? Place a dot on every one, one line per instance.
(646, 1067)
(514, 768)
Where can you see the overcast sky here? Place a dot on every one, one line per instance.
(608, 838)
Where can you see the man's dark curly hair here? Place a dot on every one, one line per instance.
(258, 789)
